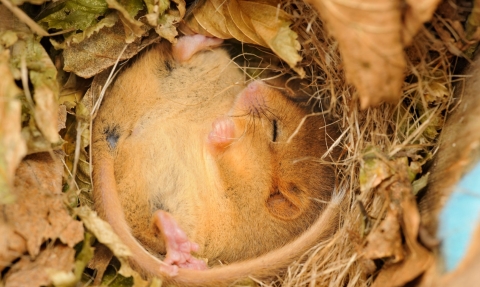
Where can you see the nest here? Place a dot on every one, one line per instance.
(385, 150)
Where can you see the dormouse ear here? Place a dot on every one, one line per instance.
(287, 202)
(296, 89)
(187, 46)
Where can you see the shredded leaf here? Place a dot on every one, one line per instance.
(127, 10)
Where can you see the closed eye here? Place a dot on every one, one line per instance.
(275, 131)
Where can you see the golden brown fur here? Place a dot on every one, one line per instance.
(151, 151)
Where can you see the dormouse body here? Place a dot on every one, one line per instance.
(186, 150)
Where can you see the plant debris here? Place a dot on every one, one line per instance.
(51, 87)
(38, 191)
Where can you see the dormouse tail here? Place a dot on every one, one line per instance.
(107, 203)
(270, 264)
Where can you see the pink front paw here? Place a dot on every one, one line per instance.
(178, 246)
(187, 46)
(222, 133)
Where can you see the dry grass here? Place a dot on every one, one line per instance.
(407, 129)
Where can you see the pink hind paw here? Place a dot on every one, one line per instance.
(178, 246)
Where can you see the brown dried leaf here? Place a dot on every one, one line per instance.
(72, 90)
(103, 232)
(77, 136)
(371, 36)
(46, 112)
(245, 35)
(417, 258)
(100, 261)
(255, 22)
(37, 272)
(39, 212)
(284, 44)
(167, 29)
(38, 215)
(472, 28)
(101, 51)
(12, 245)
(211, 19)
(12, 145)
(30, 62)
(62, 117)
(385, 241)
(105, 235)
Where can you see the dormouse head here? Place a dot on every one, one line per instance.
(269, 151)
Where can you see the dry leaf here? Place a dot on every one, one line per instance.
(30, 62)
(262, 23)
(37, 272)
(166, 27)
(62, 117)
(39, 215)
(12, 245)
(385, 241)
(10, 22)
(155, 8)
(472, 31)
(242, 23)
(83, 257)
(371, 36)
(39, 212)
(30, 55)
(373, 170)
(12, 145)
(100, 261)
(417, 258)
(101, 51)
(67, 14)
(133, 28)
(109, 20)
(46, 112)
(105, 235)
(103, 232)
